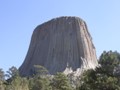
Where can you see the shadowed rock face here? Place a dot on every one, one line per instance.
(61, 45)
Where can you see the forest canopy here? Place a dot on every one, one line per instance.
(104, 77)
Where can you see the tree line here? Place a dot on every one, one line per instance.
(105, 77)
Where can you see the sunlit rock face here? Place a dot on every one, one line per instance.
(62, 44)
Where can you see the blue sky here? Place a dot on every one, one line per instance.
(18, 18)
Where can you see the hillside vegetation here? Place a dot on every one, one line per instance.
(104, 77)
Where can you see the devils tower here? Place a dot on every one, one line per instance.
(62, 44)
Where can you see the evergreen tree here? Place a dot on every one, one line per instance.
(12, 72)
(61, 82)
(39, 79)
(2, 80)
(104, 77)
(18, 83)
(14, 81)
(39, 83)
(109, 62)
(39, 70)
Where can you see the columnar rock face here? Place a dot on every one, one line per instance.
(62, 44)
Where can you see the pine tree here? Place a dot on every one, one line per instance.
(104, 77)
(2, 80)
(61, 82)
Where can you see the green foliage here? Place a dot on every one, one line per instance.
(61, 82)
(92, 80)
(39, 70)
(14, 81)
(103, 78)
(12, 72)
(2, 87)
(18, 83)
(39, 83)
(40, 80)
(2, 76)
(2, 80)
(109, 61)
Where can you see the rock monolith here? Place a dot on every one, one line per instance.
(62, 44)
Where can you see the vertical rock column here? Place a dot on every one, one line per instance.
(61, 45)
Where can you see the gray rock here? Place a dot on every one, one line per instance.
(62, 44)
